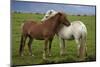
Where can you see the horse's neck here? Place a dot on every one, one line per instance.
(55, 24)
(52, 22)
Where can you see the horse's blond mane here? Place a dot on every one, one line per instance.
(52, 15)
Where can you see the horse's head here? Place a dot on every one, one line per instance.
(63, 19)
(51, 13)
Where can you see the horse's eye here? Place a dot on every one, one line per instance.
(46, 16)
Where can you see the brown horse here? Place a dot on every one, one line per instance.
(44, 31)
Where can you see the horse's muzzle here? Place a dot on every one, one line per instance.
(67, 24)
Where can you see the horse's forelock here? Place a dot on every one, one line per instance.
(48, 16)
(50, 13)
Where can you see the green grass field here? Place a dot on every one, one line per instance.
(37, 45)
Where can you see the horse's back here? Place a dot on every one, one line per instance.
(26, 26)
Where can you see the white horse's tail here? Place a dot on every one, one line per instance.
(83, 47)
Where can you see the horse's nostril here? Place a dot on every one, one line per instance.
(69, 24)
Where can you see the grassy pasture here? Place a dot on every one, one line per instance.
(37, 45)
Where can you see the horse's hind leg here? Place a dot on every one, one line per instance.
(49, 46)
(22, 44)
(62, 46)
(83, 48)
(78, 46)
(30, 45)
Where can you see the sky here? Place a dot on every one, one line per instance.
(40, 7)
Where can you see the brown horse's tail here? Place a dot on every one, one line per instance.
(21, 45)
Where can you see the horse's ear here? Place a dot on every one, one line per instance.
(59, 13)
(50, 12)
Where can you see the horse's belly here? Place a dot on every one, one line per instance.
(37, 37)
(66, 36)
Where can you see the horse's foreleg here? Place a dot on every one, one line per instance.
(62, 46)
(30, 45)
(49, 50)
(45, 49)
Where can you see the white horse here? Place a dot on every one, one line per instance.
(76, 31)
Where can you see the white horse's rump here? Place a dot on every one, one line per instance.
(77, 30)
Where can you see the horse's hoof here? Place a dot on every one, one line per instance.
(49, 55)
(81, 59)
(21, 55)
(86, 54)
(44, 58)
(78, 56)
(32, 55)
(62, 54)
